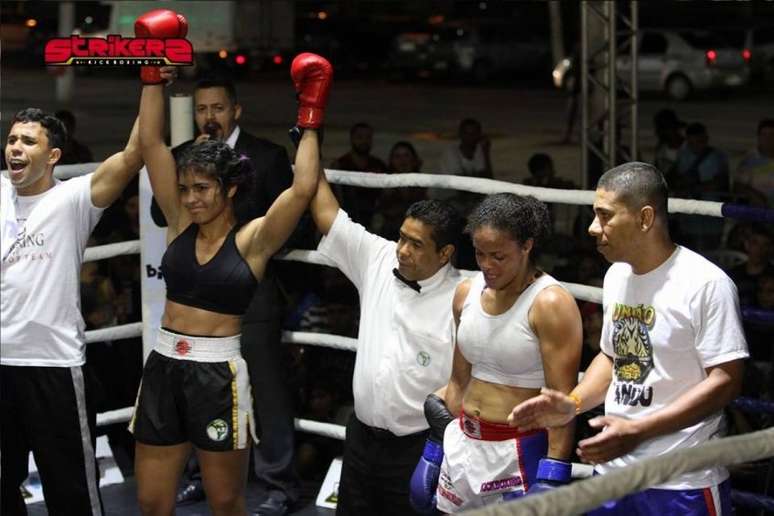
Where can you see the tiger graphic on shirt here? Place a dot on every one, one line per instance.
(633, 349)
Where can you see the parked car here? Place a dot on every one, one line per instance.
(476, 50)
(760, 42)
(758, 45)
(677, 62)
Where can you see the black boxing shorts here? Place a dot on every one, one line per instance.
(194, 389)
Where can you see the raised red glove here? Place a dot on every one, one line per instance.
(312, 76)
(159, 23)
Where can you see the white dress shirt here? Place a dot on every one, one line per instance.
(233, 137)
(405, 344)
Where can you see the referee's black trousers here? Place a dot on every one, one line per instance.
(377, 470)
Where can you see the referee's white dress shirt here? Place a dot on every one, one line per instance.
(405, 344)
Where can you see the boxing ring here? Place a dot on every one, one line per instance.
(580, 495)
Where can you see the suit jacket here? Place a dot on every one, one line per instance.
(272, 168)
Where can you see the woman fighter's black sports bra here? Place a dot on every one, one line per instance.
(225, 284)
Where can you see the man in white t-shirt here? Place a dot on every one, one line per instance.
(469, 157)
(45, 405)
(754, 178)
(404, 345)
(672, 351)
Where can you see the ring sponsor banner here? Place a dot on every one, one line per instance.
(328, 496)
(152, 247)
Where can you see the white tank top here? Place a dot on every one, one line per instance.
(502, 349)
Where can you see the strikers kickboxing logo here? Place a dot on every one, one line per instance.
(116, 50)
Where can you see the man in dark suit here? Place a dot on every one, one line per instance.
(216, 112)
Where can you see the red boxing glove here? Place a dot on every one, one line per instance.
(312, 76)
(161, 24)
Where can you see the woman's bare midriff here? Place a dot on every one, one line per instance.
(196, 321)
(493, 402)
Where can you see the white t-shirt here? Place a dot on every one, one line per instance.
(453, 162)
(663, 329)
(405, 343)
(757, 171)
(40, 302)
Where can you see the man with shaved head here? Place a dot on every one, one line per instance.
(672, 351)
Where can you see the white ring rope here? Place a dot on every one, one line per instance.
(489, 186)
(319, 339)
(111, 417)
(331, 430)
(102, 252)
(582, 292)
(694, 207)
(591, 493)
(469, 184)
(318, 428)
(122, 331)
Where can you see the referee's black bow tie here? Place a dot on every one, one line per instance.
(413, 284)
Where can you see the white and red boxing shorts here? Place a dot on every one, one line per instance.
(486, 463)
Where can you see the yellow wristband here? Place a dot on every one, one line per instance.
(577, 399)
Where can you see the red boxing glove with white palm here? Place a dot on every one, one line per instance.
(312, 76)
(161, 24)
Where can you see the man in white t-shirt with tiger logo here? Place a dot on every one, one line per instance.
(672, 352)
